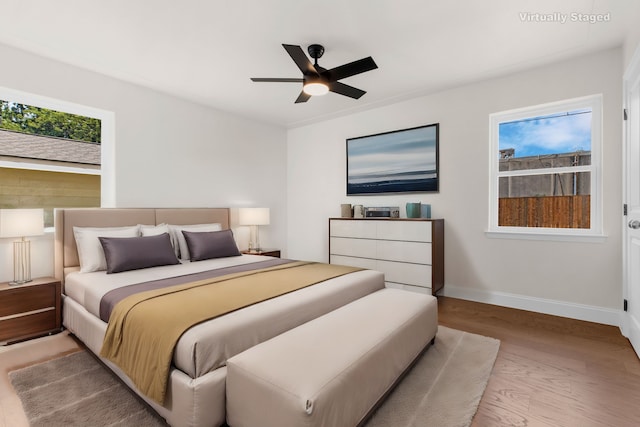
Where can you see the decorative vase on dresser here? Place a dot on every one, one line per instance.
(410, 252)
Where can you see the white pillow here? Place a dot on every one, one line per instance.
(90, 252)
(156, 230)
(178, 240)
(153, 230)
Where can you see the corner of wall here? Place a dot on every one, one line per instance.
(630, 46)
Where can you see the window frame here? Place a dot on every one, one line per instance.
(595, 232)
(107, 140)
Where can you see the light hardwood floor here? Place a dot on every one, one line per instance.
(550, 371)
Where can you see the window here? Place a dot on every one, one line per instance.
(51, 153)
(545, 170)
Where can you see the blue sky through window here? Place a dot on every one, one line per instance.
(553, 134)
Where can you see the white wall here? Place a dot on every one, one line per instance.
(631, 43)
(168, 152)
(575, 279)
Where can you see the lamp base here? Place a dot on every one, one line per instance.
(21, 262)
(254, 239)
(19, 282)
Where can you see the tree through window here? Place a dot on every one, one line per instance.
(42, 121)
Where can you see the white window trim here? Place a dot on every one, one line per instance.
(107, 135)
(49, 168)
(593, 234)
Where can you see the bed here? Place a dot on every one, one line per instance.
(195, 391)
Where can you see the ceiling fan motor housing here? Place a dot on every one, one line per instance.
(315, 51)
(310, 78)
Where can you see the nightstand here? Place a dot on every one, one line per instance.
(265, 252)
(30, 310)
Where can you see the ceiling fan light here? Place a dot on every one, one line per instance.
(315, 89)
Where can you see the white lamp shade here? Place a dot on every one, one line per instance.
(253, 216)
(21, 222)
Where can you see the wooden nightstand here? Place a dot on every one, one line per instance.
(30, 310)
(265, 252)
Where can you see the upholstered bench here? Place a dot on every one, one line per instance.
(331, 371)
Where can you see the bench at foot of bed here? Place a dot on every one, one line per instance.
(332, 370)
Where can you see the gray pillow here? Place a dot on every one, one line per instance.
(211, 244)
(133, 253)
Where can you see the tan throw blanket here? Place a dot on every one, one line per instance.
(144, 328)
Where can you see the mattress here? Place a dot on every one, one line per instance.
(206, 346)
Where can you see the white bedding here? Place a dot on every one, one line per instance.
(207, 346)
(89, 288)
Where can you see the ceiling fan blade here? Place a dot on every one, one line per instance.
(277, 80)
(346, 90)
(303, 97)
(350, 69)
(297, 54)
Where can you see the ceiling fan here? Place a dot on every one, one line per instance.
(317, 80)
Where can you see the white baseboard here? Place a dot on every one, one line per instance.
(607, 316)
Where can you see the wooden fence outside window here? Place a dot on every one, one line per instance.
(545, 211)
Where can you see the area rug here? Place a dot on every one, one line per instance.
(443, 389)
(76, 390)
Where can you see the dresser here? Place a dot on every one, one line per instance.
(30, 310)
(410, 252)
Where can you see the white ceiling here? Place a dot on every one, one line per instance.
(206, 50)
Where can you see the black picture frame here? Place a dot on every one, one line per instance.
(399, 161)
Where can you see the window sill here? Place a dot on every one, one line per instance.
(551, 236)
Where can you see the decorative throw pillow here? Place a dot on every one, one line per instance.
(134, 253)
(211, 244)
(180, 245)
(90, 252)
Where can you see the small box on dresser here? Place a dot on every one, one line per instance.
(30, 310)
(410, 252)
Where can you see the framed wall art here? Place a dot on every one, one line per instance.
(401, 161)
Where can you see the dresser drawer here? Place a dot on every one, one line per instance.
(404, 273)
(397, 272)
(22, 299)
(349, 228)
(410, 288)
(367, 263)
(29, 325)
(419, 231)
(363, 248)
(413, 252)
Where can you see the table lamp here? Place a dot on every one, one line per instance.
(21, 223)
(254, 217)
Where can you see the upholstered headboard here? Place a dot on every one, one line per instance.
(66, 252)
